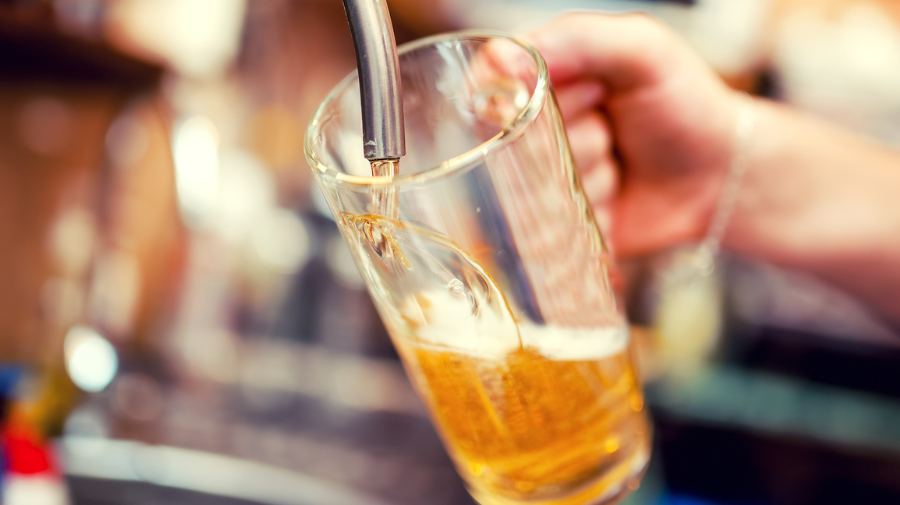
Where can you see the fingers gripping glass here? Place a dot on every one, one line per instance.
(488, 270)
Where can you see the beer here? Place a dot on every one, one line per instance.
(530, 413)
(533, 427)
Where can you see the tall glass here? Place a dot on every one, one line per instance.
(488, 270)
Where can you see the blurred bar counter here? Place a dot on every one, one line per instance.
(323, 435)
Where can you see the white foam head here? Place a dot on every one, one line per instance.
(447, 322)
(574, 344)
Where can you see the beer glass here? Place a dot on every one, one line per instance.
(490, 274)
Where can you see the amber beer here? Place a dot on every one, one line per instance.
(528, 427)
(531, 413)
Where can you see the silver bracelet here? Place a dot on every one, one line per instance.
(688, 315)
(703, 258)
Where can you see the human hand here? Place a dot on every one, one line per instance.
(651, 127)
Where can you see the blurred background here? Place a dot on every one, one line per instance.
(180, 322)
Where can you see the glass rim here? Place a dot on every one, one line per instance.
(457, 163)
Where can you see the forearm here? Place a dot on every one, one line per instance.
(824, 200)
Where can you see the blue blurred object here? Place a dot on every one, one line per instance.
(680, 499)
(685, 500)
(9, 378)
(10, 375)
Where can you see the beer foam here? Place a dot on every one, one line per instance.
(448, 323)
(574, 344)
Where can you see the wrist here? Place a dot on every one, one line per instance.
(726, 175)
(741, 142)
(823, 200)
(758, 209)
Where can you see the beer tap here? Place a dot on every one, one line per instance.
(379, 84)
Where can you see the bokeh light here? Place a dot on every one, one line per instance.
(91, 360)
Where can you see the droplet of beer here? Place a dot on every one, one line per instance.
(611, 445)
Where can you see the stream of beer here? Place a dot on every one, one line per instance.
(385, 199)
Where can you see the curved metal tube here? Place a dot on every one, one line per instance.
(379, 79)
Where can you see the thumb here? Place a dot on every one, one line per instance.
(621, 50)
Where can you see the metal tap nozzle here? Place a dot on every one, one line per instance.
(379, 79)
